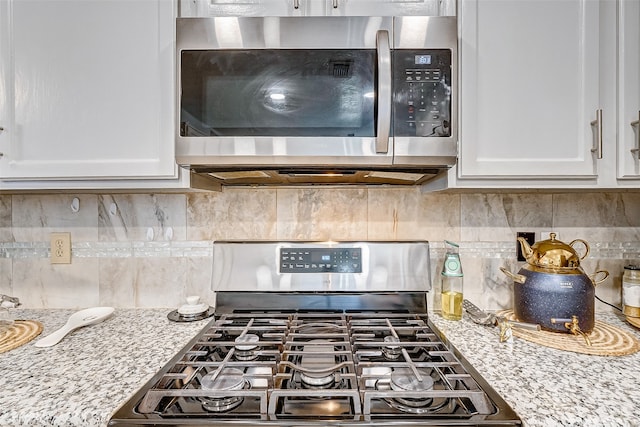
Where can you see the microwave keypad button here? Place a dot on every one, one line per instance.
(411, 112)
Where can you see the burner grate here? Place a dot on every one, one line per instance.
(331, 366)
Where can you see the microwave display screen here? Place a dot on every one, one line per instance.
(423, 59)
(278, 92)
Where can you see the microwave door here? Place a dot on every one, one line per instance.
(288, 105)
(291, 102)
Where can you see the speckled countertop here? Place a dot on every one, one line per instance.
(82, 380)
(549, 387)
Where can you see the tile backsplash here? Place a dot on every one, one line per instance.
(152, 250)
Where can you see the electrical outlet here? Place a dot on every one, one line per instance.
(530, 237)
(60, 248)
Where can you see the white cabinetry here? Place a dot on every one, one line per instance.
(533, 77)
(529, 88)
(204, 8)
(86, 91)
(390, 7)
(211, 8)
(628, 123)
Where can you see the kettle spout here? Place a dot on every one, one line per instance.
(526, 249)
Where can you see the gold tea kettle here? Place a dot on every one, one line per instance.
(553, 254)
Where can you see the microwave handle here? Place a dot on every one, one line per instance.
(384, 91)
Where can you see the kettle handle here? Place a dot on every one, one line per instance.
(516, 277)
(598, 281)
(586, 246)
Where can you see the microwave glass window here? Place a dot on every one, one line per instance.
(278, 93)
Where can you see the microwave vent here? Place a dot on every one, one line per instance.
(340, 68)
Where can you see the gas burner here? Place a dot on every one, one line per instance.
(229, 379)
(429, 406)
(406, 380)
(391, 351)
(245, 348)
(317, 382)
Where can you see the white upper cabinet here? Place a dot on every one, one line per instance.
(529, 88)
(86, 89)
(390, 7)
(628, 123)
(535, 77)
(204, 8)
(211, 8)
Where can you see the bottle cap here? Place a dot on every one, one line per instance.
(452, 266)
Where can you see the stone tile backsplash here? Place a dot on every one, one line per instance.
(152, 250)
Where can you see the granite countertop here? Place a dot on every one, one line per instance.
(549, 387)
(83, 379)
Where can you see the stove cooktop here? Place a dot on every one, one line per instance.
(317, 368)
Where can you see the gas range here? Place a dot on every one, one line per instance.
(354, 351)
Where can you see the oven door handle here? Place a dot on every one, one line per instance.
(383, 50)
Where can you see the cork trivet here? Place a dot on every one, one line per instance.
(606, 340)
(21, 332)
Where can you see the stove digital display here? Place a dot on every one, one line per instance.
(320, 260)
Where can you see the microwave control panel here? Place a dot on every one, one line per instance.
(422, 92)
(320, 260)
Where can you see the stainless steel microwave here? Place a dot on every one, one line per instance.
(309, 100)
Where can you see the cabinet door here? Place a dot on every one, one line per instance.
(205, 8)
(529, 88)
(87, 89)
(212, 8)
(389, 7)
(628, 89)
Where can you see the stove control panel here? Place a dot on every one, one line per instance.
(320, 260)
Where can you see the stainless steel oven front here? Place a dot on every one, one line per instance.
(306, 93)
